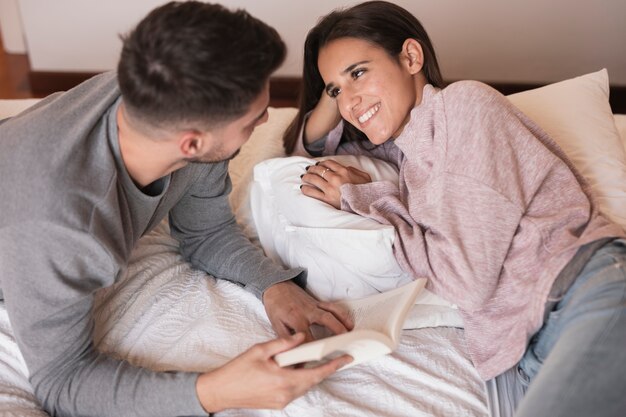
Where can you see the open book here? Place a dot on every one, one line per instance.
(378, 322)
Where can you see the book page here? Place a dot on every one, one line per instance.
(373, 314)
(384, 312)
(378, 320)
(362, 345)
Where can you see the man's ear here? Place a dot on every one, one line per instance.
(190, 143)
(412, 56)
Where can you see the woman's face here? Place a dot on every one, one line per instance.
(374, 91)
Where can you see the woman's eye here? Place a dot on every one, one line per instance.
(333, 92)
(357, 73)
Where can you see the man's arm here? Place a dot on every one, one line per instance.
(211, 240)
(49, 297)
(49, 276)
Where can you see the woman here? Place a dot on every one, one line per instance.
(488, 208)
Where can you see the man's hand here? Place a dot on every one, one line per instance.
(291, 309)
(254, 380)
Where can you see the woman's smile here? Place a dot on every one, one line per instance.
(369, 114)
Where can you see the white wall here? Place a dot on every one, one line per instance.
(11, 27)
(531, 41)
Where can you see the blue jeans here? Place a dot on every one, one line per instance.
(576, 364)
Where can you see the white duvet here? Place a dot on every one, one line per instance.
(164, 315)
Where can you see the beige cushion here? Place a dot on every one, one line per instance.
(577, 115)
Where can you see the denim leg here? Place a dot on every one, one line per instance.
(576, 364)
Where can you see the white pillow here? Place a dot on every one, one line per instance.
(577, 115)
(343, 252)
(620, 123)
(347, 256)
(11, 107)
(264, 143)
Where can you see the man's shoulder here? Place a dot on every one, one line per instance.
(204, 178)
(201, 171)
(56, 157)
(82, 106)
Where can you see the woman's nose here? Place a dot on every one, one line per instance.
(349, 99)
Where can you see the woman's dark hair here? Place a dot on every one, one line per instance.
(379, 22)
(195, 62)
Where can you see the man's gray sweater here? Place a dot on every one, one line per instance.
(70, 215)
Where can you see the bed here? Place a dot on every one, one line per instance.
(164, 315)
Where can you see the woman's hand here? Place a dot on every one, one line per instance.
(323, 181)
(324, 117)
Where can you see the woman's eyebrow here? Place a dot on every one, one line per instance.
(330, 86)
(353, 66)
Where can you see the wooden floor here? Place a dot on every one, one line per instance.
(14, 70)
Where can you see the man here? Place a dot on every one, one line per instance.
(86, 173)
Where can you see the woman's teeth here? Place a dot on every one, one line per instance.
(368, 114)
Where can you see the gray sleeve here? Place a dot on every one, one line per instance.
(49, 277)
(211, 240)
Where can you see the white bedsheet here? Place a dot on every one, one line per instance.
(165, 315)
